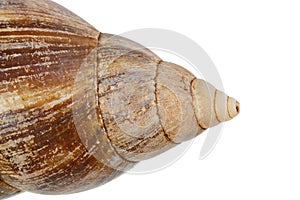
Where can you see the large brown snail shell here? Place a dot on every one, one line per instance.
(79, 107)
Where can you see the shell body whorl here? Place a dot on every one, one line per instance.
(79, 107)
(42, 49)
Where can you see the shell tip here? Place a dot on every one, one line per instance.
(233, 107)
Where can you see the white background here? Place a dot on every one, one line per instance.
(255, 46)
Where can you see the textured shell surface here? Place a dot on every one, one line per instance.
(79, 107)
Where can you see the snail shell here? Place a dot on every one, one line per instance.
(79, 107)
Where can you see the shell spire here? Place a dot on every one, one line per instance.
(211, 105)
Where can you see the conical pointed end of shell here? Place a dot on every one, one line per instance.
(233, 107)
(212, 106)
(225, 107)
